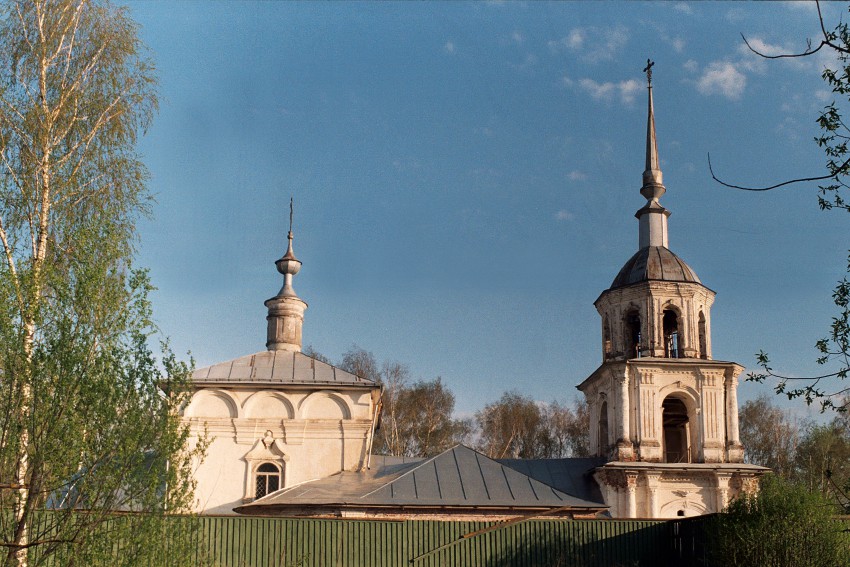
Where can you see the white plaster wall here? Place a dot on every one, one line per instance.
(315, 434)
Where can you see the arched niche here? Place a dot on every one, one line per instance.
(602, 429)
(324, 405)
(672, 327)
(632, 333)
(211, 404)
(268, 405)
(703, 337)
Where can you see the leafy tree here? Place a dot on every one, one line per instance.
(823, 461)
(83, 422)
(784, 524)
(518, 427)
(359, 362)
(568, 429)
(416, 420)
(511, 428)
(769, 435)
(422, 424)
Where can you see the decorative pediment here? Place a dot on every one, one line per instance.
(267, 449)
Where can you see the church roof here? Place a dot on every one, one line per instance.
(654, 263)
(570, 475)
(459, 477)
(277, 367)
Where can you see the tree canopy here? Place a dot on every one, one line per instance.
(83, 420)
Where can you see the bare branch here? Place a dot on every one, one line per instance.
(778, 185)
(807, 52)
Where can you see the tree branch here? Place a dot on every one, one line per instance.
(840, 168)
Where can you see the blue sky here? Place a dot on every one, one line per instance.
(465, 177)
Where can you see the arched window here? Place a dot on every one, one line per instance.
(606, 340)
(670, 322)
(703, 344)
(603, 429)
(676, 431)
(267, 479)
(632, 334)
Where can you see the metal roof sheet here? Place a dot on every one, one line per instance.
(277, 367)
(654, 263)
(572, 475)
(459, 477)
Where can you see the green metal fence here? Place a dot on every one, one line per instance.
(261, 542)
(238, 541)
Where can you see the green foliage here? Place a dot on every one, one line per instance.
(84, 423)
(770, 436)
(783, 525)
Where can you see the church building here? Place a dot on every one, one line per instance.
(663, 412)
(290, 435)
(277, 418)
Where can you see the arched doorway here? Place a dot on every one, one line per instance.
(677, 431)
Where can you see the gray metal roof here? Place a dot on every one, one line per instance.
(654, 263)
(458, 477)
(573, 475)
(277, 367)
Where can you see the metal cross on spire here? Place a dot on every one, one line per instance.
(648, 71)
(290, 216)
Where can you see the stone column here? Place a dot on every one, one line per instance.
(722, 490)
(625, 451)
(734, 449)
(631, 497)
(652, 493)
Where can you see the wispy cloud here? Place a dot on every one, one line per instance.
(723, 78)
(577, 175)
(449, 47)
(517, 38)
(564, 216)
(683, 7)
(593, 44)
(607, 91)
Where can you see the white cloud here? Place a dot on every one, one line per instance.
(449, 47)
(683, 8)
(592, 43)
(564, 215)
(678, 44)
(823, 96)
(517, 38)
(806, 5)
(723, 78)
(576, 38)
(691, 66)
(577, 175)
(626, 90)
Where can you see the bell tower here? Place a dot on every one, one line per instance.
(659, 402)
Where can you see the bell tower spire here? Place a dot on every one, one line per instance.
(652, 217)
(286, 309)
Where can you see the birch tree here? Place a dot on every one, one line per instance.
(83, 421)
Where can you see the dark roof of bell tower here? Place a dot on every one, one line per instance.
(654, 263)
